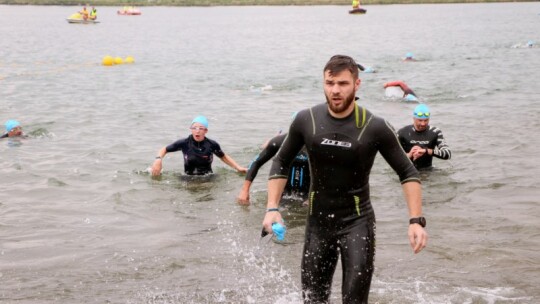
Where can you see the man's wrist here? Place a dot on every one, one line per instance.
(418, 220)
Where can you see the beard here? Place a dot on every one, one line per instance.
(344, 106)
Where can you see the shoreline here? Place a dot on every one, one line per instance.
(203, 3)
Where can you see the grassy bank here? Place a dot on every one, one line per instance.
(233, 2)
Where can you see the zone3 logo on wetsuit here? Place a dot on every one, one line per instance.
(330, 142)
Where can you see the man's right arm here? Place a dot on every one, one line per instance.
(266, 154)
(279, 171)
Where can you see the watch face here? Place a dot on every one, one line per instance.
(422, 221)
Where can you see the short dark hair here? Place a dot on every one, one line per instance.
(340, 63)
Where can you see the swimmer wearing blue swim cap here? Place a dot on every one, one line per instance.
(198, 151)
(13, 129)
(409, 57)
(421, 141)
(369, 70)
(410, 97)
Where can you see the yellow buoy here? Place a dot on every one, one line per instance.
(108, 61)
(129, 59)
(118, 60)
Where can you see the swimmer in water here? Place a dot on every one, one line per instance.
(409, 57)
(13, 129)
(299, 177)
(422, 141)
(408, 94)
(198, 151)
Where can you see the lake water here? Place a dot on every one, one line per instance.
(81, 220)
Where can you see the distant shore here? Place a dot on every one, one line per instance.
(121, 3)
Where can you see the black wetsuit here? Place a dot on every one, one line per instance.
(431, 138)
(198, 156)
(299, 178)
(4, 135)
(341, 220)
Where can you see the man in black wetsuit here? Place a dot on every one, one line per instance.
(198, 151)
(299, 178)
(421, 141)
(342, 140)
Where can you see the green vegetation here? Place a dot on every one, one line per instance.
(233, 2)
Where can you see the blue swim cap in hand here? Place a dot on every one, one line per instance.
(279, 231)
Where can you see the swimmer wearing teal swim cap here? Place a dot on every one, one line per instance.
(410, 97)
(409, 57)
(13, 129)
(198, 151)
(421, 141)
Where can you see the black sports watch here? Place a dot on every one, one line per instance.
(418, 220)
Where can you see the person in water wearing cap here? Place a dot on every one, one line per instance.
(421, 141)
(342, 140)
(409, 57)
(13, 129)
(198, 151)
(408, 94)
(299, 177)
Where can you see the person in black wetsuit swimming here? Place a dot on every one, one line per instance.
(422, 141)
(342, 140)
(299, 178)
(198, 151)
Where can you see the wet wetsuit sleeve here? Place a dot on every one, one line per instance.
(395, 156)
(176, 146)
(403, 140)
(291, 146)
(266, 154)
(442, 150)
(216, 148)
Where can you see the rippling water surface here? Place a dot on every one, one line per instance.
(81, 220)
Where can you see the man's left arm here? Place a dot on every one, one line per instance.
(441, 150)
(417, 234)
(229, 161)
(392, 152)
